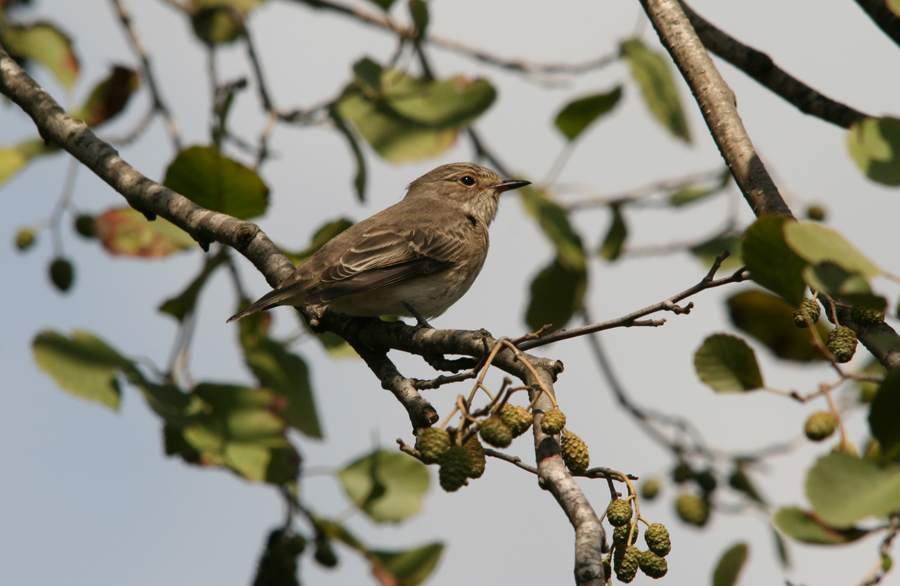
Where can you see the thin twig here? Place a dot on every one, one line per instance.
(629, 320)
(137, 44)
(517, 461)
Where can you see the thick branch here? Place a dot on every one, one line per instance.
(760, 67)
(886, 20)
(717, 104)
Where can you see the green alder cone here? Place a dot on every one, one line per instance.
(553, 421)
(620, 534)
(25, 239)
(650, 489)
(455, 468)
(692, 509)
(866, 316)
(653, 565)
(517, 418)
(842, 343)
(432, 444)
(627, 560)
(574, 452)
(495, 432)
(808, 308)
(820, 425)
(476, 450)
(657, 538)
(619, 512)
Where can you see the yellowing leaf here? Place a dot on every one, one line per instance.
(126, 232)
(46, 44)
(874, 144)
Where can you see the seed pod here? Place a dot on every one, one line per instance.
(820, 425)
(476, 450)
(866, 316)
(574, 452)
(495, 432)
(517, 418)
(627, 560)
(432, 444)
(657, 538)
(842, 343)
(553, 421)
(620, 534)
(618, 512)
(455, 467)
(653, 565)
(692, 509)
(25, 239)
(809, 308)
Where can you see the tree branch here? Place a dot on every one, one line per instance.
(760, 67)
(886, 20)
(717, 104)
(370, 338)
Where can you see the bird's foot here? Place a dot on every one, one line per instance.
(421, 322)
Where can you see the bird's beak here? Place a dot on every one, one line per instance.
(510, 184)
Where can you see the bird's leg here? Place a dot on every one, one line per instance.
(421, 322)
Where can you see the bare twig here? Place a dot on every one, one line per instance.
(629, 320)
(159, 105)
(517, 461)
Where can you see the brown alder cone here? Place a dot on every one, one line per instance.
(415, 258)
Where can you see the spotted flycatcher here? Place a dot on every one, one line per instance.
(416, 258)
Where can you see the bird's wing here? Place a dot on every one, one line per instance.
(385, 257)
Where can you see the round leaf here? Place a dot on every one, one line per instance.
(817, 244)
(387, 486)
(215, 182)
(884, 415)
(874, 144)
(727, 364)
(844, 489)
(769, 319)
(806, 527)
(771, 262)
(126, 232)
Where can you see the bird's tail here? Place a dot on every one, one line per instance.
(267, 301)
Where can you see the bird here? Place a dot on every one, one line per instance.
(415, 258)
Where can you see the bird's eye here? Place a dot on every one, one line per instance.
(467, 180)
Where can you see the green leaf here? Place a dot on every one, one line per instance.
(805, 526)
(242, 6)
(835, 281)
(730, 565)
(557, 292)
(182, 305)
(652, 73)
(874, 144)
(771, 261)
(360, 180)
(727, 364)
(418, 12)
(769, 319)
(47, 45)
(386, 485)
(844, 489)
(215, 182)
(109, 97)
(577, 115)
(13, 159)
(240, 429)
(554, 221)
(884, 415)
(781, 547)
(707, 252)
(84, 365)
(412, 118)
(615, 236)
(283, 372)
(869, 390)
(894, 6)
(410, 567)
(817, 244)
(126, 232)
